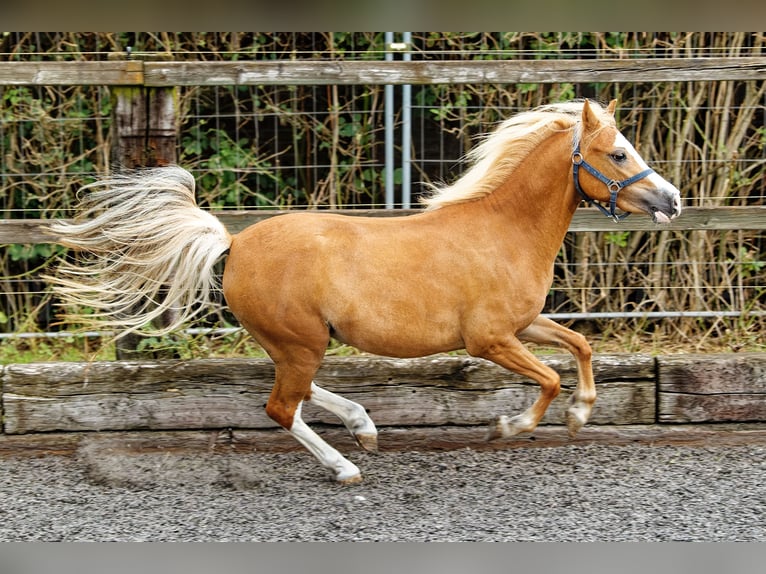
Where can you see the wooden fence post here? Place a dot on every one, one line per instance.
(144, 124)
(144, 134)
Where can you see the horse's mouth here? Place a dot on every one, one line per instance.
(661, 205)
(659, 216)
(664, 209)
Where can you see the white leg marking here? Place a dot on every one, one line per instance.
(506, 427)
(577, 415)
(343, 469)
(353, 415)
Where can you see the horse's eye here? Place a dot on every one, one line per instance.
(618, 156)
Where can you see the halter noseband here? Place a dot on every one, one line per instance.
(612, 185)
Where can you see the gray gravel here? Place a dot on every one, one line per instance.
(572, 493)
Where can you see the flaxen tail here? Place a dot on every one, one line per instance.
(142, 249)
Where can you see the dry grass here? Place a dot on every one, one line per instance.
(33, 350)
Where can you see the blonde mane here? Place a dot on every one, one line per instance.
(493, 160)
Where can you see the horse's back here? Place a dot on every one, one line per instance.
(308, 241)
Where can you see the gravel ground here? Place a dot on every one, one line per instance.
(572, 493)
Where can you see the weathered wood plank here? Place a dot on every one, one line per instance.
(692, 218)
(219, 393)
(131, 395)
(713, 373)
(312, 72)
(117, 71)
(585, 219)
(712, 388)
(391, 439)
(40, 444)
(25, 231)
(72, 73)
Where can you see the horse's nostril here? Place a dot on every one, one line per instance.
(675, 206)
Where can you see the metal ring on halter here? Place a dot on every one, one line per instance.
(614, 186)
(577, 158)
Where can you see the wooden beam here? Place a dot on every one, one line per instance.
(691, 219)
(144, 131)
(712, 388)
(29, 231)
(447, 391)
(321, 72)
(222, 393)
(25, 231)
(438, 391)
(312, 72)
(72, 73)
(585, 219)
(390, 439)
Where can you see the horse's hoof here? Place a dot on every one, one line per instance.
(368, 442)
(575, 421)
(573, 427)
(498, 428)
(356, 479)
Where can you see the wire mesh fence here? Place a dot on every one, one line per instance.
(267, 147)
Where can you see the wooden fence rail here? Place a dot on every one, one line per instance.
(585, 219)
(121, 71)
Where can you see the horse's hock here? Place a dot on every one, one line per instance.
(434, 402)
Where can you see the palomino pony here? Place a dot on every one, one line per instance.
(469, 272)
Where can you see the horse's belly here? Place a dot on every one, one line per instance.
(399, 332)
(401, 346)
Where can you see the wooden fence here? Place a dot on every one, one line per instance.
(57, 402)
(443, 400)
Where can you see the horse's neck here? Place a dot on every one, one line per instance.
(538, 200)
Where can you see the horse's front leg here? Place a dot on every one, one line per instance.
(546, 332)
(293, 385)
(511, 354)
(353, 415)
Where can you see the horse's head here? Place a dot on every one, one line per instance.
(608, 169)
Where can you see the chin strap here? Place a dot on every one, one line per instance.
(612, 185)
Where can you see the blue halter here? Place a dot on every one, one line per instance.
(612, 185)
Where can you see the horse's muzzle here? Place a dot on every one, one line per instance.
(666, 206)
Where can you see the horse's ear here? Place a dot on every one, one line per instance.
(612, 107)
(589, 119)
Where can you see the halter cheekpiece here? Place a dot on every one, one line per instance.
(612, 185)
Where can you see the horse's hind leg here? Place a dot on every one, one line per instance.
(353, 415)
(547, 332)
(512, 355)
(293, 385)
